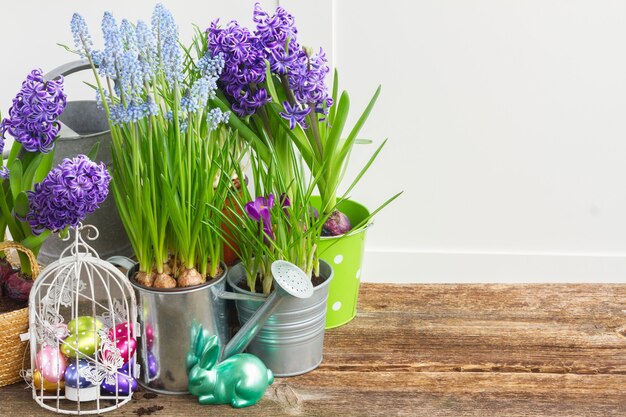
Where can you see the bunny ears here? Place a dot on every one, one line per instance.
(204, 348)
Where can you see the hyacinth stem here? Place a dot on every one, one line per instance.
(16, 231)
(266, 122)
(316, 134)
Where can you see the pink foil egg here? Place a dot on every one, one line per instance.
(127, 348)
(121, 331)
(149, 336)
(51, 363)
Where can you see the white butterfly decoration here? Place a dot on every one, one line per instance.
(106, 369)
(51, 329)
(63, 288)
(118, 311)
(27, 376)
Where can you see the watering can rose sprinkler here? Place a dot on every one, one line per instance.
(240, 379)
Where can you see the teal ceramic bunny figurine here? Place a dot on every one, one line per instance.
(239, 380)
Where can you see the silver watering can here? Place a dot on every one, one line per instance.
(83, 125)
(170, 320)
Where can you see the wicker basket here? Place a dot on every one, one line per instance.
(12, 350)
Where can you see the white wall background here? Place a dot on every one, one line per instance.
(506, 124)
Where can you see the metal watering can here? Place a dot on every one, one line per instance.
(83, 125)
(184, 334)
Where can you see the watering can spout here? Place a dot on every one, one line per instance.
(289, 281)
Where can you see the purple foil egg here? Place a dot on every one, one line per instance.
(72, 377)
(128, 368)
(126, 384)
(153, 365)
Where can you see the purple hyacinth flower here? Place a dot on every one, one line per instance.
(70, 191)
(259, 210)
(33, 116)
(294, 115)
(4, 173)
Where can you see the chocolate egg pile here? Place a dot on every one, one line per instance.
(61, 367)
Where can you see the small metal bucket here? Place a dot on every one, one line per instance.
(166, 317)
(292, 339)
(83, 125)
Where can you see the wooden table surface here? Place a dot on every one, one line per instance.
(444, 350)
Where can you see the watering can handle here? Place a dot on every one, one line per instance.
(122, 261)
(67, 69)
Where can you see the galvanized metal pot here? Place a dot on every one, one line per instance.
(166, 317)
(291, 341)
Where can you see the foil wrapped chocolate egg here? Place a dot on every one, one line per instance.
(125, 384)
(149, 336)
(126, 347)
(51, 364)
(83, 344)
(85, 324)
(73, 378)
(40, 382)
(153, 365)
(121, 331)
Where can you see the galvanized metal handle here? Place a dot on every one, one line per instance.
(247, 332)
(67, 69)
(122, 262)
(226, 295)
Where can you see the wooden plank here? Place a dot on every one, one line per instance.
(484, 328)
(496, 302)
(345, 393)
(446, 350)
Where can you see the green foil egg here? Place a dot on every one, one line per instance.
(84, 324)
(83, 344)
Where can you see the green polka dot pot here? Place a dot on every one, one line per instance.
(345, 255)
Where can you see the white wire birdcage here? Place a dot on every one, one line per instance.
(82, 316)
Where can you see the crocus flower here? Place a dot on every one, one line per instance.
(259, 210)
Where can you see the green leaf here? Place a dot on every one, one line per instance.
(30, 169)
(93, 152)
(366, 221)
(359, 124)
(297, 135)
(333, 108)
(335, 132)
(365, 167)
(243, 129)
(44, 167)
(270, 83)
(15, 178)
(22, 206)
(15, 149)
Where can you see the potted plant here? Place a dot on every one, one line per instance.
(278, 94)
(169, 167)
(37, 200)
(274, 222)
